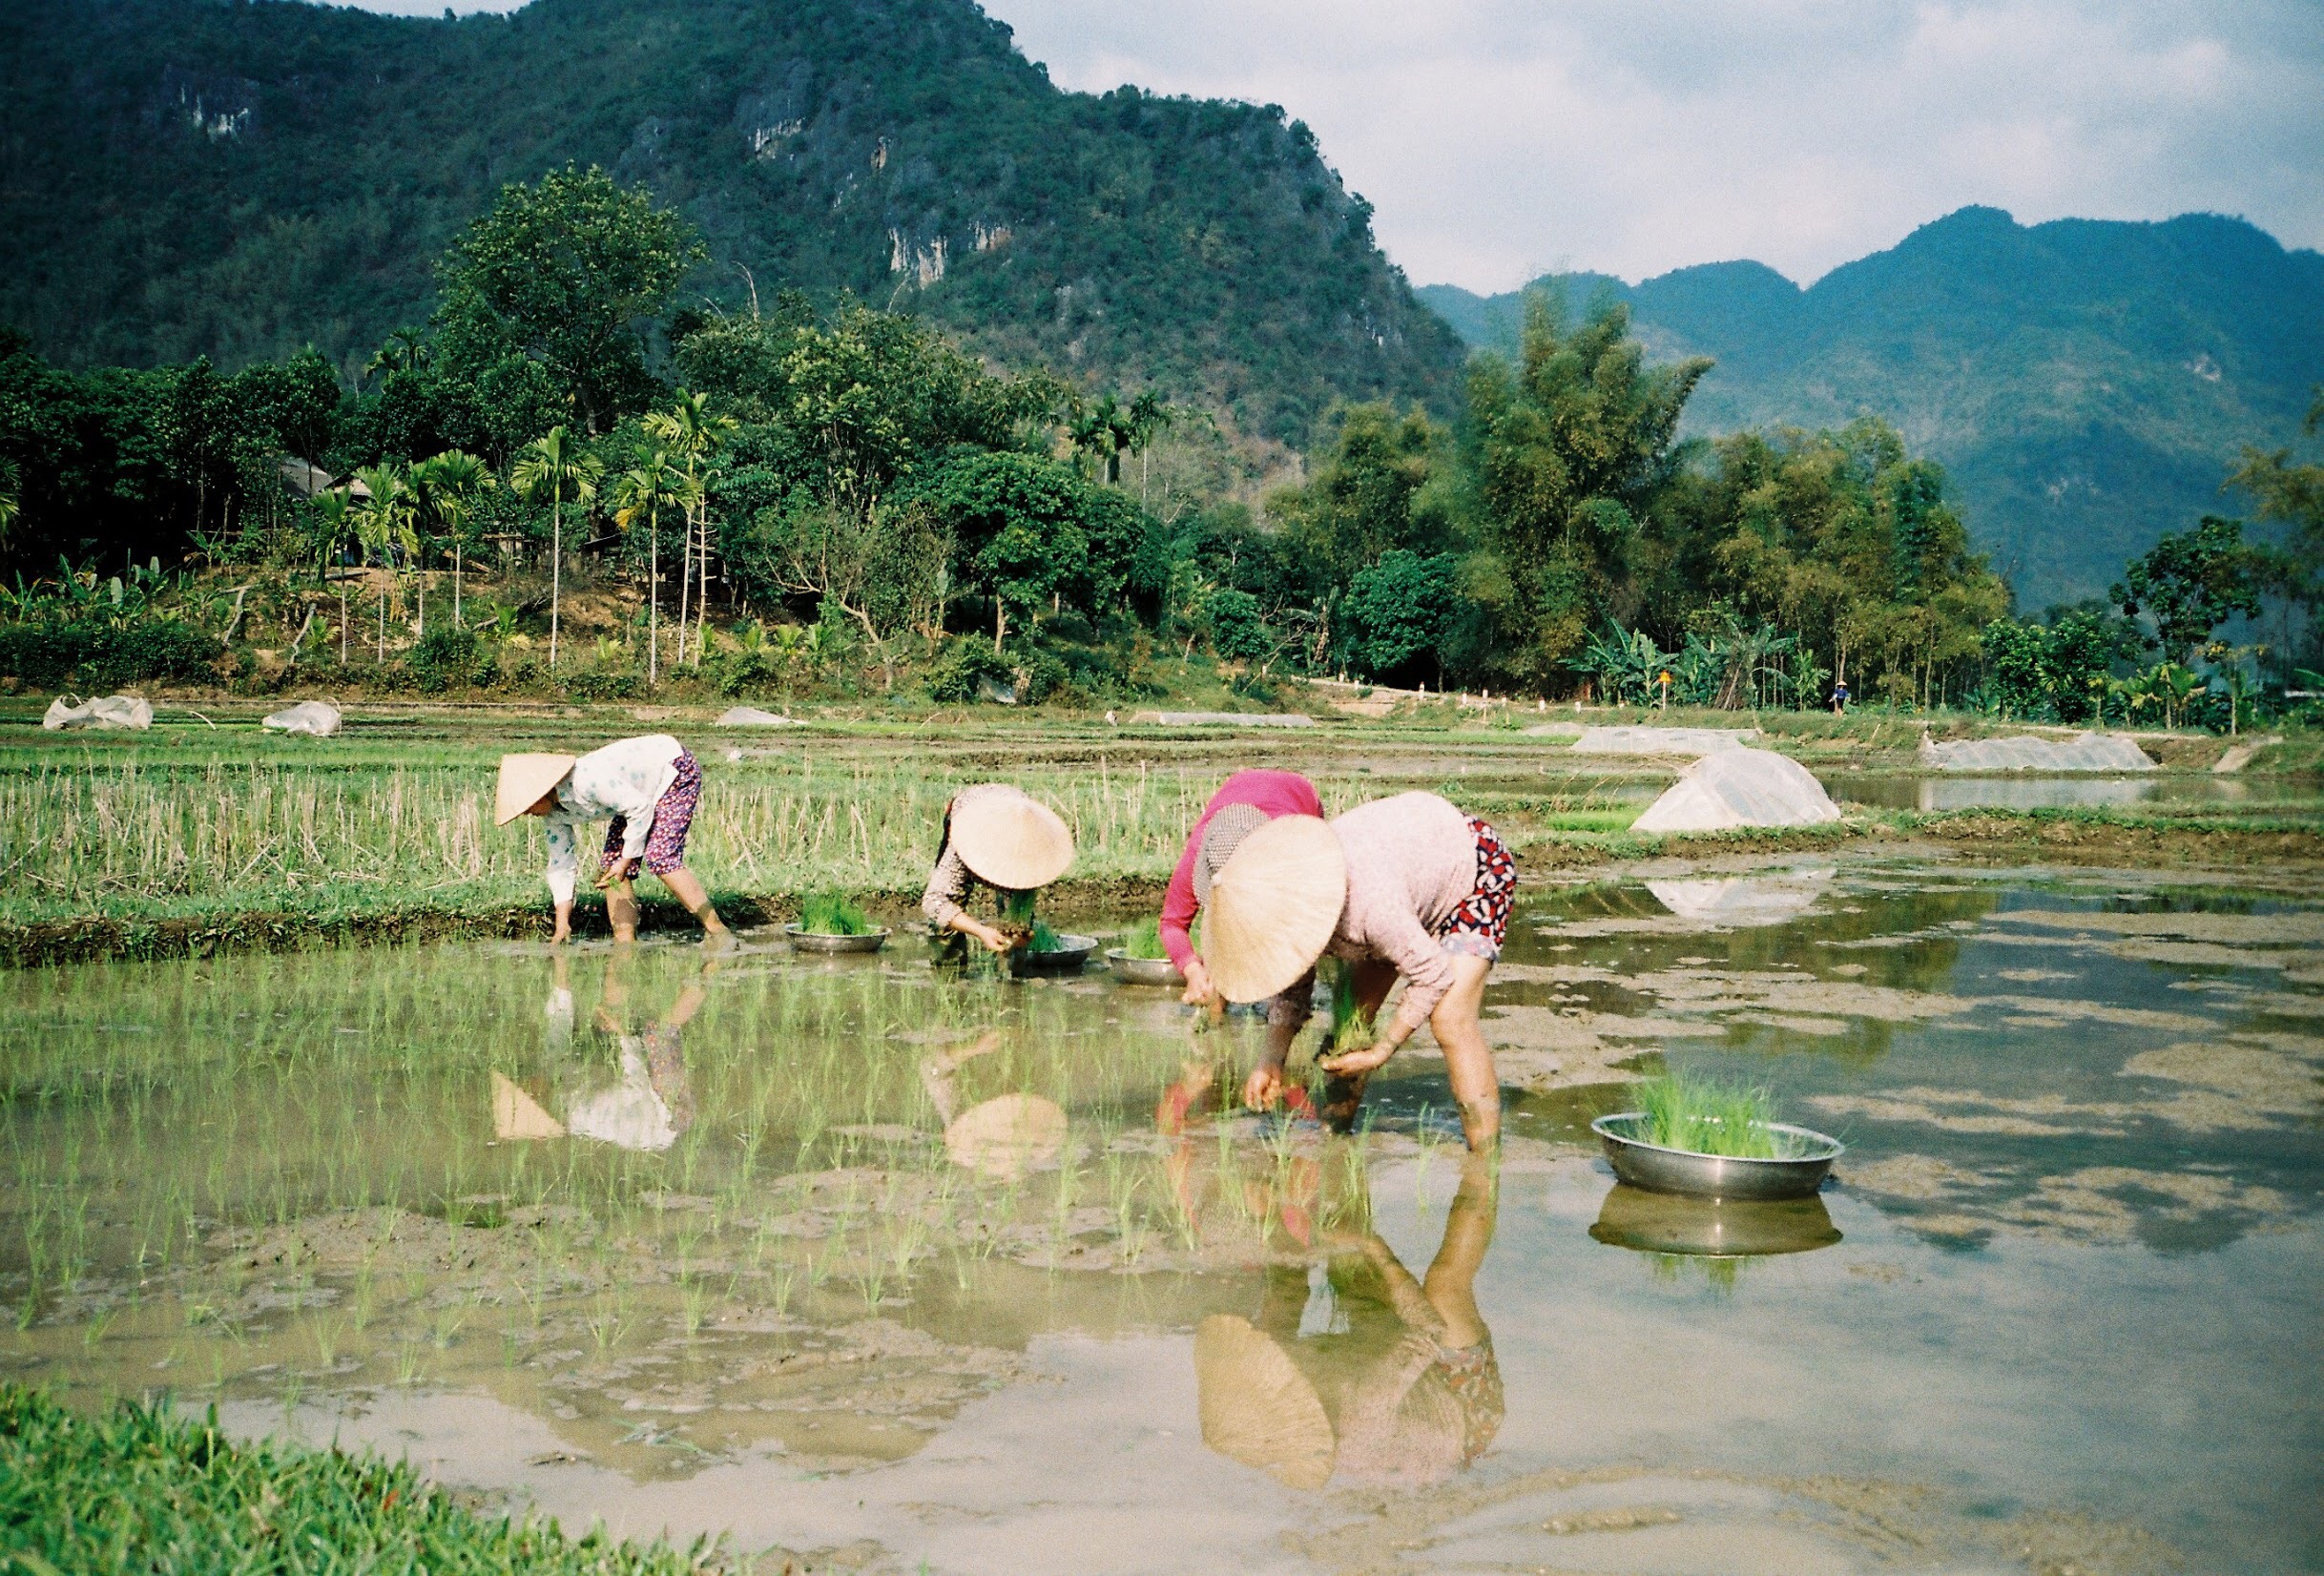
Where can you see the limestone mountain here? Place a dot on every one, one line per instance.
(240, 178)
(2086, 382)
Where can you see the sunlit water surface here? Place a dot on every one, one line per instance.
(904, 1269)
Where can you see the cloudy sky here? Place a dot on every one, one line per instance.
(1500, 138)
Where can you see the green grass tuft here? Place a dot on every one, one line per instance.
(1709, 1116)
(831, 914)
(1145, 940)
(145, 1489)
(1352, 1027)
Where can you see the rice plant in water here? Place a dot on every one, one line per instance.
(1145, 940)
(831, 914)
(1709, 1116)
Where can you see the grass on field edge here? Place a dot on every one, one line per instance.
(145, 1488)
(178, 928)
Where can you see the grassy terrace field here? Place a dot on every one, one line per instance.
(207, 831)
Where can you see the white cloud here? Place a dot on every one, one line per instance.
(1498, 138)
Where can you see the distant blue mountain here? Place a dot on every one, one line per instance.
(2087, 383)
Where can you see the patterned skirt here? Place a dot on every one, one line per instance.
(1481, 924)
(673, 819)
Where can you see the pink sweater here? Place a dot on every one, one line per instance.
(1412, 859)
(1276, 793)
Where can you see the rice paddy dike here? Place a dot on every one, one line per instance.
(206, 835)
(858, 1265)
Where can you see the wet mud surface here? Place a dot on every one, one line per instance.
(868, 1267)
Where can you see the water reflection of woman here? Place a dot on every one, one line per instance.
(1372, 1375)
(648, 1103)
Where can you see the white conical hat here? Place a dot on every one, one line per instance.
(524, 779)
(1010, 840)
(1256, 1406)
(1273, 907)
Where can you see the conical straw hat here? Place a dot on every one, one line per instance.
(1007, 1136)
(1273, 907)
(1010, 840)
(524, 779)
(1256, 1406)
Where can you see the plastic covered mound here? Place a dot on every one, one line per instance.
(318, 717)
(113, 711)
(2025, 752)
(751, 717)
(1660, 741)
(1740, 788)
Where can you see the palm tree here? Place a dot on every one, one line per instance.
(642, 492)
(553, 464)
(451, 483)
(384, 523)
(691, 431)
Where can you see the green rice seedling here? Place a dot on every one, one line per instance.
(831, 914)
(1709, 1116)
(1144, 939)
(1351, 1027)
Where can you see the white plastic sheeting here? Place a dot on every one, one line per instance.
(1660, 741)
(1738, 902)
(2025, 752)
(113, 711)
(751, 717)
(1740, 788)
(318, 717)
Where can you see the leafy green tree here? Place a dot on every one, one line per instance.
(2188, 584)
(693, 433)
(553, 464)
(1399, 613)
(385, 524)
(1367, 495)
(1567, 453)
(1237, 628)
(1019, 526)
(641, 493)
(567, 273)
(2292, 493)
(451, 486)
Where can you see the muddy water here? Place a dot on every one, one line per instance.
(1934, 790)
(896, 1270)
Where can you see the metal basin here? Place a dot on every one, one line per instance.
(1667, 1223)
(1650, 1165)
(805, 941)
(1151, 971)
(1070, 953)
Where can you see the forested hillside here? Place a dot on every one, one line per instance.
(2087, 384)
(181, 177)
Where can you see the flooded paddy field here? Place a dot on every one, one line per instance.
(879, 1267)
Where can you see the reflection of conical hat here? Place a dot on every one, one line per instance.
(516, 1114)
(1273, 907)
(1007, 1136)
(1010, 840)
(1256, 1404)
(524, 779)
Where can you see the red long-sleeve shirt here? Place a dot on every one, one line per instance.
(1272, 793)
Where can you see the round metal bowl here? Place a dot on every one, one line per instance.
(1152, 971)
(1666, 1223)
(816, 941)
(1658, 1170)
(1067, 957)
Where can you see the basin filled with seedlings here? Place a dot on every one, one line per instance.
(829, 922)
(1712, 1140)
(1141, 959)
(1049, 951)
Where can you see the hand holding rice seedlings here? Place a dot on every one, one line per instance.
(831, 914)
(1352, 1027)
(1711, 1116)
